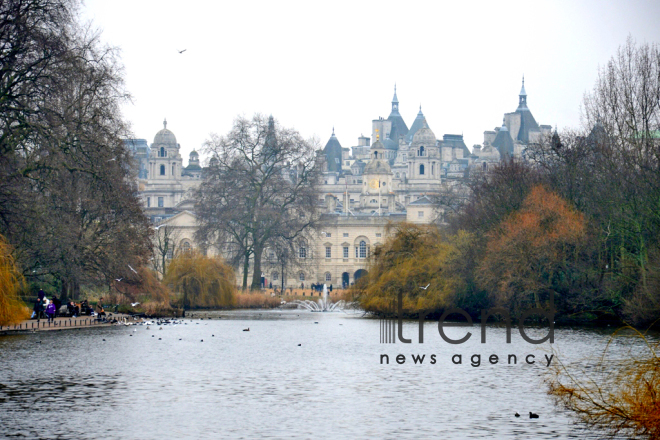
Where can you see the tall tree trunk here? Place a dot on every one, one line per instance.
(246, 266)
(256, 269)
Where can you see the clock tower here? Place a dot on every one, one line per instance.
(377, 192)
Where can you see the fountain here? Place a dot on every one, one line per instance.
(322, 305)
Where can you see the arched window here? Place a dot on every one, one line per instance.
(421, 169)
(363, 249)
(375, 154)
(162, 170)
(302, 252)
(328, 276)
(421, 151)
(186, 247)
(485, 166)
(163, 153)
(275, 276)
(301, 276)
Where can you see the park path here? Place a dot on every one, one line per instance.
(57, 324)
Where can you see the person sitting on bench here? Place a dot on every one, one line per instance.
(72, 309)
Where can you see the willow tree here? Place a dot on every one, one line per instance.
(414, 262)
(12, 309)
(261, 184)
(200, 280)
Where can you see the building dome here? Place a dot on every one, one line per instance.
(165, 136)
(193, 154)
(377, 166)
(378, 145)
(424, 136)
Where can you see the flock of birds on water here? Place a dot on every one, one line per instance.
(161, 322)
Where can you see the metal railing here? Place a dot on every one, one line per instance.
(62, 323)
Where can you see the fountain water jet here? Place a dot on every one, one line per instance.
(322, 305)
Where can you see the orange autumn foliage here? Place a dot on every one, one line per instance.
(533, 251)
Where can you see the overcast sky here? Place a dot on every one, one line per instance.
(314, 65)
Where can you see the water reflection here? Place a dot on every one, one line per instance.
(235, 384)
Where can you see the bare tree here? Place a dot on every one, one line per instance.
(261, 184)
(288, 256)
(67, 203)
(166, 246)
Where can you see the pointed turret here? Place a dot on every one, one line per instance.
(527, 122)
(399, 127)
(417, 124)
(503, 142)
(332, 153)
(270, 143)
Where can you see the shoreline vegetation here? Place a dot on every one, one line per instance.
(577, 218)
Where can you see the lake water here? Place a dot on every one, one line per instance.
(262, 384)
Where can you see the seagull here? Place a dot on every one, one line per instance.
(182, 51)
(427, 286)
(533, 416)
(129, 266)
(135, 304)
(118, 279)
(246, 329)
(114, 158)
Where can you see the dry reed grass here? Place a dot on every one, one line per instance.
(619, 396)
(256, 300)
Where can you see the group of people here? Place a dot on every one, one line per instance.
(45, 308)
(319, 287)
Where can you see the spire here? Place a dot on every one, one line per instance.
(165, 123)
(522, 96)
(504, 127)
(270, 143)
(395, 103)
(333, 130)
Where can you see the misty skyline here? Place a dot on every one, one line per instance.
(318, 66)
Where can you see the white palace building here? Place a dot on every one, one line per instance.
(387, 178)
